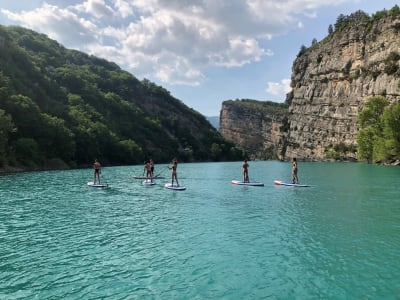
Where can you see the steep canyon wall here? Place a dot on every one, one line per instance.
(331, 81)
(254, 125)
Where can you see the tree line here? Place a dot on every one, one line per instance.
(358, 17)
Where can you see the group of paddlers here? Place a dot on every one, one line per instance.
(148, 169)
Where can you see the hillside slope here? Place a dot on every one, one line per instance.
(61, 107)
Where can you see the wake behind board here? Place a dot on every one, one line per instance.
(174, 187)
(148, 182)
(254, 183)
(96, 185)
(144, 177)
(278, 182)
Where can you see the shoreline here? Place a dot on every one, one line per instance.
(11, 169)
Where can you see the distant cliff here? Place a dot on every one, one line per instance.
(254, 125)
(331, 81)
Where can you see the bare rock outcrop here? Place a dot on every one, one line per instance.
(332, 80)
(255, 126)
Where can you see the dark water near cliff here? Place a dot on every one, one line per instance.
(339, 239)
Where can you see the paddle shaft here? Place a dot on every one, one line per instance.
(160, 172)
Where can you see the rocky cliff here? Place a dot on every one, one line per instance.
(254, 125)
(331, 81)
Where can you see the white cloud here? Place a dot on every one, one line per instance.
(124, 8)
(279, 88)
(98, 8)
(172, 40)
(60, 24)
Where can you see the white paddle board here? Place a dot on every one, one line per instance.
(174, 187)
(144, 177)
(148, 182)
(96, 185)
(254, 183)
(278, 182)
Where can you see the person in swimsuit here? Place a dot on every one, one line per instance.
(174, 172)
(152, 168)
(97, 170)
(245, 171)
(149, 174)
(295, 179)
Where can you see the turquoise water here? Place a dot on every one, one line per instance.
(339, 239)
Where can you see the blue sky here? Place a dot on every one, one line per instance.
(202, 51)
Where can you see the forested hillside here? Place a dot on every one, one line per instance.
(63, 108)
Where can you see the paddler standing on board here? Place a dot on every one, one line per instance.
(295, 179)
(152, 167)
(174, 172)
(245, 171)
(147, 168)
(97, 170)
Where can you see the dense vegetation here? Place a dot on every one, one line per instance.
(343, 22)
(63, 108)
(379, 135)
(269, 107)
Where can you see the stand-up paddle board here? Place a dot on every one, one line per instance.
(148, 182)
(278, 182)
(254, 183)
(144, 177)
(174, 187)
(96, 185)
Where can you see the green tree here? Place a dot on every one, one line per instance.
(56, 140)
(25, 114)
(6, 127)
(371, 113)
(371, 129)
(391, 125)
(27, 152)
(365, 142)
(379, 136)
(216, 151)
(129, 152)
(330, 29)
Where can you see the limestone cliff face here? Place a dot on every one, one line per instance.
(254, 125)
(333, 79)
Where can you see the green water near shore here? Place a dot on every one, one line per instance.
(338, 239)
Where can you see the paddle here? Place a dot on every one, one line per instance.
(160, 172)
(102, 177)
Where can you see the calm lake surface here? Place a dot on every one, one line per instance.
(339, 239)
